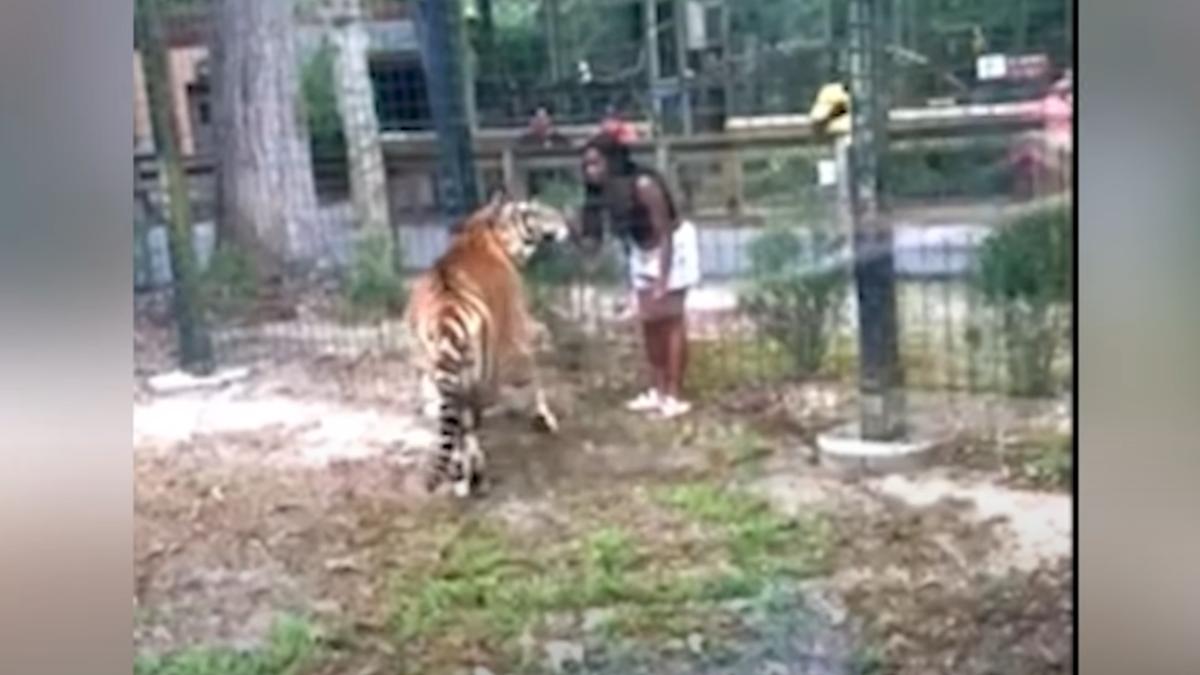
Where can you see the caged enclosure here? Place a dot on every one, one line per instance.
(300, 163)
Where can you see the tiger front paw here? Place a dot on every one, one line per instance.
(545, 422)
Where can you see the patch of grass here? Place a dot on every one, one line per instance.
(291, 649)
(867, 661)
(760, 541)
(657, 572)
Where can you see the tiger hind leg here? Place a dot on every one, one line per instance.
(429, 398)
(471, 462)
(470, 477)
(454, 422)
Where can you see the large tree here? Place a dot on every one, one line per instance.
(267, 196)
(356, 107)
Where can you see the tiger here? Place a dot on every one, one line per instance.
(473, 330)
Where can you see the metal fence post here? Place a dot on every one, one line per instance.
(442, 51)
(195, 343)
(881, 395)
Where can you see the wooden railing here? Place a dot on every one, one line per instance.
(496, 151)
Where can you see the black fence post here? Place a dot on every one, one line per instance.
(195, 343)
(881, 394)
(442, 51)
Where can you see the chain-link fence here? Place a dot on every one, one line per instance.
(320, 176)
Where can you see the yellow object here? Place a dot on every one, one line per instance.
(830, 113)
(978, 41)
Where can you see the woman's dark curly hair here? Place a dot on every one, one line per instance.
(616, 196)
(596, 197)
(615, 153)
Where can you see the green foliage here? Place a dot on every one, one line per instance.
(229, 284)
(779, 21)
(373, 287)
(291, 648)
(1024, 273)
(796, 292)
(979, 170)
(1028, 260)
(868, 661)
(780, 181)
(319, 106)
(556, 265)
(320, 96)
(1048, 462)
(567, 196)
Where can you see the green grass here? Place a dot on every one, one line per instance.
(1047, 462)
(291, 648)
(646, 561)
(760, 542)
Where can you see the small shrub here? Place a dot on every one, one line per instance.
(1024, 273)
(373, 287)
(229, 284)
(796, 292)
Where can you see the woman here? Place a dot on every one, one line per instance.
(664, 261)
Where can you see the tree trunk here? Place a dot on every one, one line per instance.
(360, 123)
(268, 199)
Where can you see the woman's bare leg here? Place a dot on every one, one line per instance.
(652, 335)
(675, 345)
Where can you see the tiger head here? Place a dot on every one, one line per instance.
(524, 224)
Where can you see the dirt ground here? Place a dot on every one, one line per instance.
(290, 492)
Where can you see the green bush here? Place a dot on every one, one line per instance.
(1024, 273)
(229, 284)
(796, 292)
(373, 286)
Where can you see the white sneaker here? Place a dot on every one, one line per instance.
(645, 402)
(673, 407)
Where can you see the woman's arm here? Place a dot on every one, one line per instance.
(651, 196)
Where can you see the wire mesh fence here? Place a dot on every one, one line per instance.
(315, 167)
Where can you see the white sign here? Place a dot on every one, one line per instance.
(826, 172)
(991, 67)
